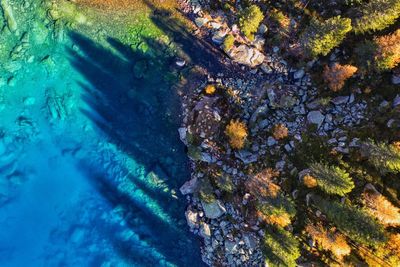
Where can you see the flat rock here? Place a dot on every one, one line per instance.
(214, 209)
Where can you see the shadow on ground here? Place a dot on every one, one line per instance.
(131, 97)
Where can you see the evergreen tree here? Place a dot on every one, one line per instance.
(385, 158)
(332, 179)
(376, 15)
(280, 247)
(352, 221)
(250, 20)
(321, 36)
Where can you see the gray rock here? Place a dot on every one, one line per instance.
(230, 247)
(396, 101)
(340, 100)
(396, 79)
(205, 230)
(271, 141)
(315, 117)
(200, 22)
(182, 134)
(262, 29)
(219, 37)
(189, 187)
(213, 210)
(298, 74)
(246, 156)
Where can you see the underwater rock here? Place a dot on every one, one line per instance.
(8, 15)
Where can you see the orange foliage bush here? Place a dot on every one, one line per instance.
(280, 131)
(309, 181)
(210, 89)
(381, 208)
(330, 240)
(237, 133)
(336, 75)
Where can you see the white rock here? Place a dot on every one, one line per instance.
(246, 55)
(191, 218)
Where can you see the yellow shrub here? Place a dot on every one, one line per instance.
(309, 181)
(237, 133)
(210, 89)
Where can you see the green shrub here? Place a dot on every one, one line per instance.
(280, 247)
(321, 36)
(229, 41)
(376, 15)
(224, 182)
(332, 179)
(249, 21)
(277, 206)
(352, 221)
(384, 157)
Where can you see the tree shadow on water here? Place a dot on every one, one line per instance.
(130, 100)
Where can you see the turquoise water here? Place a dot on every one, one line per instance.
(90, 160)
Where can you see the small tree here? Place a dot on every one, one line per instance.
(387, 54)
(280, 247)
(385, 158)
(376, 15)
(332, 179)
(237, 133)
(384, 255)
(249, 20)
(352, 221)
(381, 208)
(336, 75)
(320, 37)
(331, 240)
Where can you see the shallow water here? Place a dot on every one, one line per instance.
(90, 160)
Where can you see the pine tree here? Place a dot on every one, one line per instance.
(280, 247)
(376, 15)
(332, 179)
(250, 20)
(384, 157)
(352, 221)
(321, 36)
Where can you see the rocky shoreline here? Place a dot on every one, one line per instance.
(269, 93)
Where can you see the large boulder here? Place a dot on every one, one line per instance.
(214, 209)
(246, 55)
